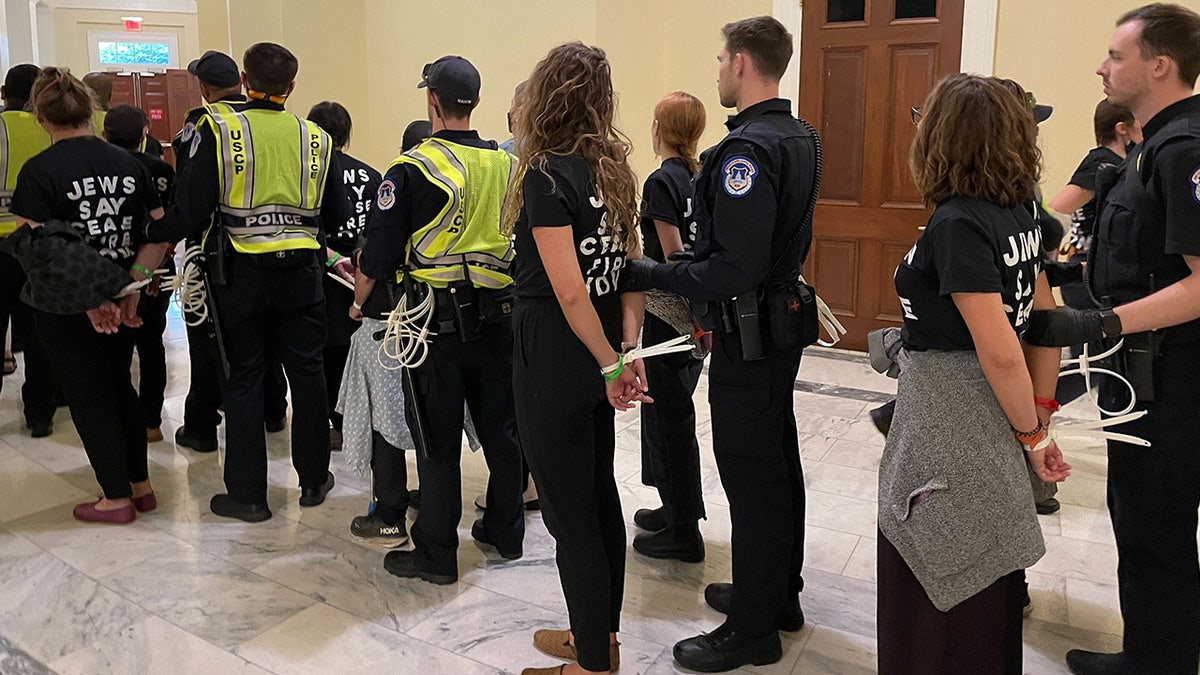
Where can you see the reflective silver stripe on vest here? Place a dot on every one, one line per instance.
(457, 259)
(455, 199)
(226, 154)
(270, 208)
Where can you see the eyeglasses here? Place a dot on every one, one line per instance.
(914, 114)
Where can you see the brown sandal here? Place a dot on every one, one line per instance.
(557, 643)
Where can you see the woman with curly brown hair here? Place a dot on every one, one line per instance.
(574, 214)
(956, 513)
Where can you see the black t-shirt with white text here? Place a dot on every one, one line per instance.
(561, 193)
(668, 196)
(161, 173)
(362, 185)
(102, 190)
(969, 246)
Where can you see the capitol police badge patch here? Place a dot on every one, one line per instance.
(740, 174)
(1196, 185)
(386, 197)
(186, 134)
(195, 146)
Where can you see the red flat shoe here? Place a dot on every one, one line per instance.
(88, 513)
(145, 503)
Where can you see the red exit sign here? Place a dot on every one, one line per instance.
(132, 23)
(156, 113)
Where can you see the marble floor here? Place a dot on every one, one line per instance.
(181, 591)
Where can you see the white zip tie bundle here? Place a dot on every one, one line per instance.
(406, 337)
(188, 285)
(828, 320)
(1083, 366)
(1096, 430)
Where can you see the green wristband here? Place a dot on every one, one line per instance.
(333, 259)
(609, 377)
(143, 270)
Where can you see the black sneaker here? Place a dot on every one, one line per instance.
(199, 442)
(41, 429)
(1047, 506)
(404, 565)
(719, 596)
(479, 534)
(374, 530)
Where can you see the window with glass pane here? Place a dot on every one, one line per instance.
(135, 53)
(841, 11)
(916, 9)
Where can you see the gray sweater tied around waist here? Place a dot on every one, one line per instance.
(954, 492)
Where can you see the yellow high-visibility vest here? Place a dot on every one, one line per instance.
(464, 238)
(21, 137)
(272, 167)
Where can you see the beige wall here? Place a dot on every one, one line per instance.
(71, 27)
(1053, 47)
(368, 55)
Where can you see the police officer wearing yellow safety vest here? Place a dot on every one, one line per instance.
(275, 184)
(221, 87)
(21, 137)
(437, 219)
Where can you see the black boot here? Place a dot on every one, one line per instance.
(789, 619)
(652, 520)
(723, 650)
(1083, 662)
(676, 542)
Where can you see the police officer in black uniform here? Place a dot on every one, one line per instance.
(265, 258)
(751, 197)
(1145, 275)
(221, 87)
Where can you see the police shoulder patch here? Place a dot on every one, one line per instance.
(195, 146)
(188, 130)
(740, 172)
(1196, 185)
(386, 197)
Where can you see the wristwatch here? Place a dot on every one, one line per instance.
(1110, 323)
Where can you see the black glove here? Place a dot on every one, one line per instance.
(682, 256)
(1063, 327)
(637, 275)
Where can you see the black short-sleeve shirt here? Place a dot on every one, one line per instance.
(969, 246)
(1083, 220)
(561, 193)
(362, 185)
(668, 196)
(102, 190)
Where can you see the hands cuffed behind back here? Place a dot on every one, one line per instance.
(637, 275)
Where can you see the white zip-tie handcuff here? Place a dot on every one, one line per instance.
(1096, 429)
(683, 343)
(340, 280)
(188, 285)
(406, 337)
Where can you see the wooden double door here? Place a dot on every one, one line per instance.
(166, 97)
(864, 64)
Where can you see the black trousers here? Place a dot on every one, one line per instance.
(670, 451)
(335, 366)
(152, 356)
(98, 386)
(980, 635)
(201, 412)
(1153, 495)
(282, 311)
(479, 373)
(758, 457)
(389, 479)
(37, 394)
(569, 441)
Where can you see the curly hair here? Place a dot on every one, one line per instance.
(567, 109)
(975, 139)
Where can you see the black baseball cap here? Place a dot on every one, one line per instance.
(1041, 113)
(217, 69)
(453, 78)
